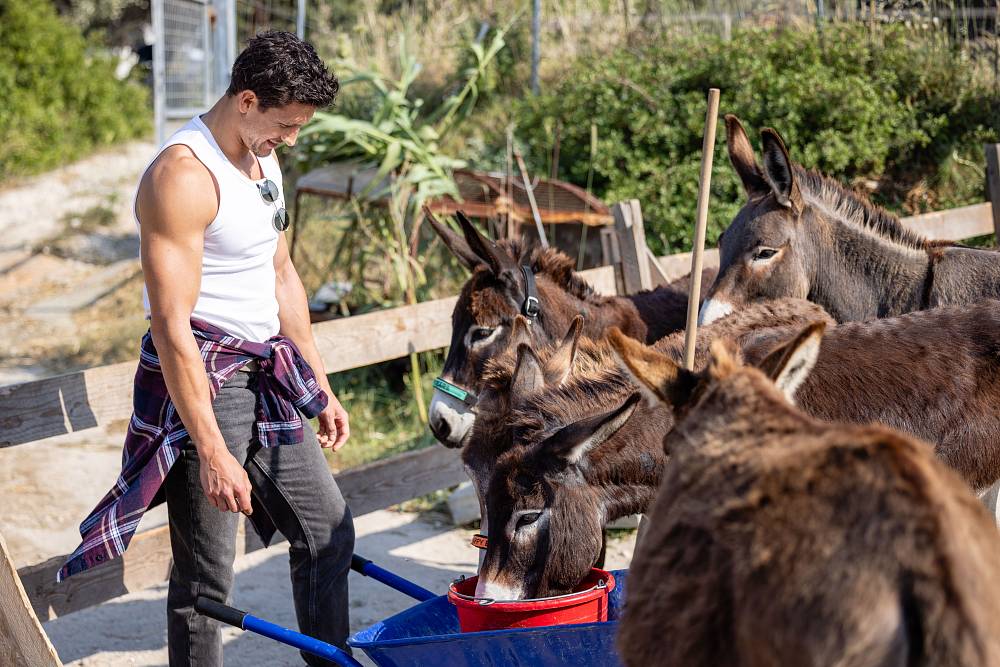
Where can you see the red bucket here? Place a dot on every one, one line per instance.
(588, 604)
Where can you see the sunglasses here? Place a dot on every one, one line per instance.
(269, 193)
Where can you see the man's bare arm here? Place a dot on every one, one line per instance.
(293, 313)
(177, 201)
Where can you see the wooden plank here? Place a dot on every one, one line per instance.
(632, 246)
(23, 642)
(993, 184)
(679, 265)
(384, 483)
(602, 279)
(954, 224)
(43, 408)
(50, 407)
(147, 561)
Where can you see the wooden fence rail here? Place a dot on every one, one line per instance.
(42, 409)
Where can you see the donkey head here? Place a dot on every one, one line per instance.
(482, 322)
(546, 518)
(509, 380)
(764, 253)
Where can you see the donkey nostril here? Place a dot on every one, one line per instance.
(440, 428)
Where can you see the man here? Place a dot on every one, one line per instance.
(230, 362)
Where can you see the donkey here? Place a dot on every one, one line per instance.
(538, 407)
(802, 234)
(778, 539)
(934, 374)
(510, 279)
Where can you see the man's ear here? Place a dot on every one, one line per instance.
(458, 246)
(789, 365)
(570, 444)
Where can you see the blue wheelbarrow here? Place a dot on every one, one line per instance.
(428, 633)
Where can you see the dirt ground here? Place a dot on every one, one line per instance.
(47, 488)
(68, 285)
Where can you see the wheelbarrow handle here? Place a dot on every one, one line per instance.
(244, 621)
(366, 568)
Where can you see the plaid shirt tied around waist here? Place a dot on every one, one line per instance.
(156, 435)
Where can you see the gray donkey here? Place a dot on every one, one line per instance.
(778, 539)
(803, 235)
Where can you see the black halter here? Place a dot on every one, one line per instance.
(531, 308)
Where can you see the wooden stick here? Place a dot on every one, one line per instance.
(531, 197)
(707, 151)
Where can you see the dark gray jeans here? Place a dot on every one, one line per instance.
(293, 484)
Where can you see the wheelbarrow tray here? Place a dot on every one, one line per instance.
(429, 634)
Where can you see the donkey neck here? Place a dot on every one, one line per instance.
(628, 479)
(859, 274)
(600, 313)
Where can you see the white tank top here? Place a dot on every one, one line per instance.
(237, 268)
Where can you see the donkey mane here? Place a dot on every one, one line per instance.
(855, 209)
(558, 266)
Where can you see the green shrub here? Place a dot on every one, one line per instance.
(60, 96)
(904, 109)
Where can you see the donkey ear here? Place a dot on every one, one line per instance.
(528, 376)
(458, 246)
(572, 442)
(559, 366)
(488, 251)
(742, 157)
(778, 170)
(520, 333)
(789, 364)
(659, 378)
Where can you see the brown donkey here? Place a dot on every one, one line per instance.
(935, 374)
(510, 279)
(778, 539)
(803, 235)
(558, 451)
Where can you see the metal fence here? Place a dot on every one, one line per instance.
(195, 44)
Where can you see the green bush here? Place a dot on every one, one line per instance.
(60, 96)
(904, 109)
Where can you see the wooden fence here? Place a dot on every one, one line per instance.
(39, 410)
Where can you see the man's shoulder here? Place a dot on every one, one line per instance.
(177, 181)
(176, 174)
(177, 167)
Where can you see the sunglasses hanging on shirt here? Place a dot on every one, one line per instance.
(269, 193)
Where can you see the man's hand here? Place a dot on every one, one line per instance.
(224, 481)
(333, 425)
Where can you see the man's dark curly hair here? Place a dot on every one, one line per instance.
(280, 69)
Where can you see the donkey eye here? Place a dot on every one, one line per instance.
(527, 519)
(764, 253)
(480, 334)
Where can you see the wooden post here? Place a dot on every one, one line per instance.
(993, 185)
(22, 639)
(632, 246)
(694, 297)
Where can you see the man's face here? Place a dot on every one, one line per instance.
(263, 131)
